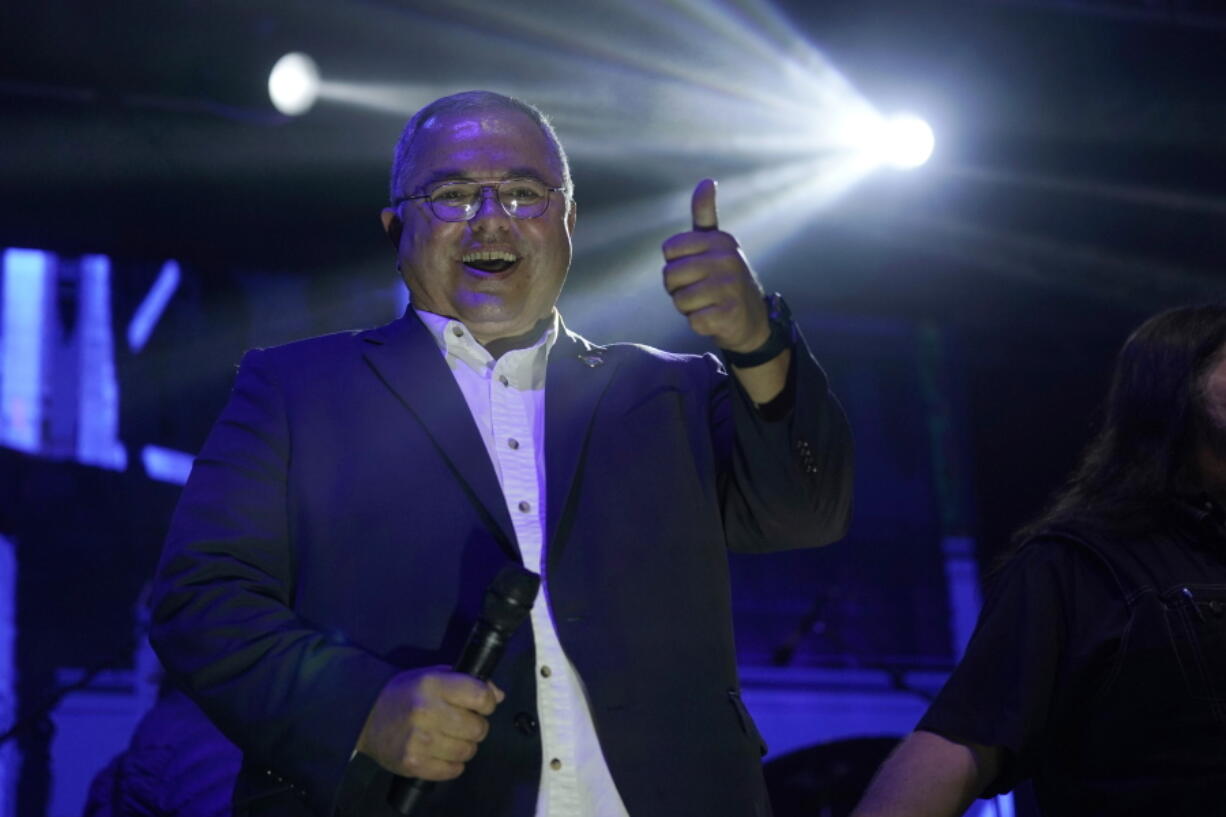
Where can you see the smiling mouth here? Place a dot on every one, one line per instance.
(490, 260)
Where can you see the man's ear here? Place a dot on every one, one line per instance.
(571, 214)
(392, 225)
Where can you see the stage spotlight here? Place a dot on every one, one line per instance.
(293, 84)
(906, 141)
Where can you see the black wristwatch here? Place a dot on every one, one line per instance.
(782, 336)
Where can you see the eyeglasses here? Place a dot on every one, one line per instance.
(460, 201)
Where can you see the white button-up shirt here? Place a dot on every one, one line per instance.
(507, 400)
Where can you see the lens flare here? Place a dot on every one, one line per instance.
(906, 141)
(293, 84)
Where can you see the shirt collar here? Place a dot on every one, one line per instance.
(1200, 517)
(524, 367)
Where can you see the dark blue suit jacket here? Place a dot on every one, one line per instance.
(343, 519)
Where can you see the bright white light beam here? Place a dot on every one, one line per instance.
(904, 141)
(293, 84)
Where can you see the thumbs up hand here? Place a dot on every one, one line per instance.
(710, 281)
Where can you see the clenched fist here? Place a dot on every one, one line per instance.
(427, 723)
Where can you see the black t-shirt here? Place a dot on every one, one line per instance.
(1100, 669)
(1051, 623)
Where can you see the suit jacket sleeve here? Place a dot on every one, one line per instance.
(787, 483)
(293, 697)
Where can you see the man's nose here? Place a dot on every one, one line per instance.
(490, 210)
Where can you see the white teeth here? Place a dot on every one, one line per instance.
(489, 255)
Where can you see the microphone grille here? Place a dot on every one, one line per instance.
(510, 597)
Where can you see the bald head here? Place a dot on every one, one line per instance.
(467, 102)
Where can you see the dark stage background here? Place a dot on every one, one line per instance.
(967, 311)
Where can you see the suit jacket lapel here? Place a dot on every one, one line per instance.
(578, 376)
(407, 359)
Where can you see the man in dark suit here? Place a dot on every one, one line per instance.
(361, 489)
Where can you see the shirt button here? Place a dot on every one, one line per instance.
(525, 507)
(502, 378)
(555, 764)
(513, 444)
(457, 331)
(546, 672)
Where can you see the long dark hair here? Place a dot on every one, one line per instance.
(1144, 454)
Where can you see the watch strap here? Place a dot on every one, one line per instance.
(782, 336)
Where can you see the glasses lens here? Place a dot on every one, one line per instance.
(460, 201)
(523, 198)
(455, 201)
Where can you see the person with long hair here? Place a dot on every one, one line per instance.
(1098, 666)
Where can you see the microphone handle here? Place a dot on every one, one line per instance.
(481, 654)
(407, 792)
(482, 651)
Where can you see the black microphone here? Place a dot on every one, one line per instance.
(508, 600)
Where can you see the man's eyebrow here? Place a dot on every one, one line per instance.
(526, 173)
(451, 175)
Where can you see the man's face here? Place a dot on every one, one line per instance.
(437, 257)
(1213, 395)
